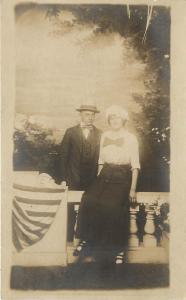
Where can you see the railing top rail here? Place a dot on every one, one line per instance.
(142, 197)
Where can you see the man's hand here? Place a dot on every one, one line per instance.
(132, 196)
(63, 184)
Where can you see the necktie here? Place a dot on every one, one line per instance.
(87, 127)
(86, 130)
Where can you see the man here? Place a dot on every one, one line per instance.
(79, 154)
(79, 151)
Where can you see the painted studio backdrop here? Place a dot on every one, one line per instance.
(107, 54)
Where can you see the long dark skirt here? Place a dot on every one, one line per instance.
(103, 218)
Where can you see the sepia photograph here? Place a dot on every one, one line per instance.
(89, 173)
(91, 147)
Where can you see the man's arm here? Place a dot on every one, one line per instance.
(64, 154)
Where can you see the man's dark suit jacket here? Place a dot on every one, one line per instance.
(71, 156)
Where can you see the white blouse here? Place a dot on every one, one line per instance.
(119, 148)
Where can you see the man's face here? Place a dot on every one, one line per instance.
(87, 117)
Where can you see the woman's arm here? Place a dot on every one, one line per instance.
(132, 194)
(135, 168)
(100, 161)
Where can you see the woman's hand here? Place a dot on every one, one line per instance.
(132, 196)
(99, 169)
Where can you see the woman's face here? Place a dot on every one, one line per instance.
(115, 122)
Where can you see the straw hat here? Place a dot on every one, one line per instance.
(89, 107)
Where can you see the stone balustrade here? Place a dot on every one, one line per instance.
(145, 217)
(146, 224)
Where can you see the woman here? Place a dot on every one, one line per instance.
(103, 219)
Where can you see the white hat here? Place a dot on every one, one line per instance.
(117, 111)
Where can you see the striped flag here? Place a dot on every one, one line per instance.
(34, 210)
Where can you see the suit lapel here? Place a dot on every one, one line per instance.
(79, 136)
(93, 140)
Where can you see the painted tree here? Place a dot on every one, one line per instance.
(147, 28)
(35, 148)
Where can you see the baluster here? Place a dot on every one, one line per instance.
(133, 238)
(149, 239)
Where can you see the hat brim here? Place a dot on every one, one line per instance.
(88, 109)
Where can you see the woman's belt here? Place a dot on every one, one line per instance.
(115, 173)
(111, 165)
